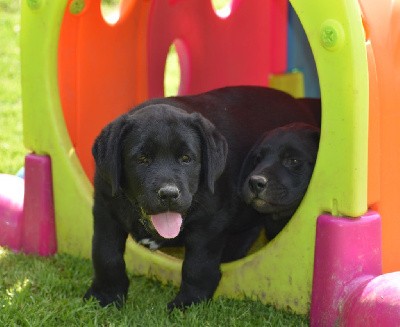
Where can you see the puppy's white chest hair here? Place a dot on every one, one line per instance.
(149, 243)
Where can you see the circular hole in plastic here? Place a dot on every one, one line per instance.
(76, 7)
(172, 73)
(222, 8)
(176, 67)
(110, 10)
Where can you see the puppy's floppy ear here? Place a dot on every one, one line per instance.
(214, 150)
(315, 134)
(107, 153)
(311, 133)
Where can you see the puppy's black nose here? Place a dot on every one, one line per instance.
(257, 183)
(168, 193)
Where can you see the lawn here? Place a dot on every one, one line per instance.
(11, 147)
(37, 291)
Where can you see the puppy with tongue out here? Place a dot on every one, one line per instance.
(164, 175)
(156, 167)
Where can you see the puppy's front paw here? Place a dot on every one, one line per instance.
(181, 302)
(176, 304)
(106, 297)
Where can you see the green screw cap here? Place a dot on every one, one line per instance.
(332, 35)
(34, 4)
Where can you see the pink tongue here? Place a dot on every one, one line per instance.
(167, 224)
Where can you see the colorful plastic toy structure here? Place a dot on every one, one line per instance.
(79, 72)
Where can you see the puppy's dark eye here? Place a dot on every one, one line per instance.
(185, 159)
(291, 162)
(143, 159)
(260, 155)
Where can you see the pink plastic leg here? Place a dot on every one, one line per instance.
(11, 210)
(348, 289)
(38, 234)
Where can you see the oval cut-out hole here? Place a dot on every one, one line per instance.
(176, 68)
(222, 8)
(76, 7)
(110, 10)
(172, 74)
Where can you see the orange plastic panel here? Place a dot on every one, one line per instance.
(102, 69)
(382, 24)
(243, 46)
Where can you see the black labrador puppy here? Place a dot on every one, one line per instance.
(164, 174)
(277, 171)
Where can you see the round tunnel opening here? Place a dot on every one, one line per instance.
(299, 77)
(300, 80)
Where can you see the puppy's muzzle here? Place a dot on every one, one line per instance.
(257, 184)
(168, 193)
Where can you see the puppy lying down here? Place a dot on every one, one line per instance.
(167, 171)
(277, 171)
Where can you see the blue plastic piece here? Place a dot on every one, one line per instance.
(300, 56)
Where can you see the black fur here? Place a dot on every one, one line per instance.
(172, 154)
(277, 171)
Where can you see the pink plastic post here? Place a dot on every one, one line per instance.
(345, 249)
(11, 210)
(348, 289)
(39, 227)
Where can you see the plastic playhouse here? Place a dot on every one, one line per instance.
(337, 258)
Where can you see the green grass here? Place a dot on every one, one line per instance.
(37, 291)
(11, 148)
